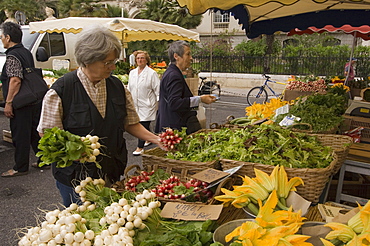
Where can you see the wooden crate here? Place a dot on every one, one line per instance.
(359, 152)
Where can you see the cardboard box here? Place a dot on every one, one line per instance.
(293, 94)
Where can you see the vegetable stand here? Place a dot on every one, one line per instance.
(227, 214)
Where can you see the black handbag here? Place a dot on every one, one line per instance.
(32, 90)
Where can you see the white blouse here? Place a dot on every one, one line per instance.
(144, 88)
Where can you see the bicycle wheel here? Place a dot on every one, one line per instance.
(257, 94)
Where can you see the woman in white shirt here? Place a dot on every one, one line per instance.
(143, 84)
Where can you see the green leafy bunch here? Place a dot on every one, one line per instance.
(173, 233)
(322, 111)
(61, 147)
(266, 144)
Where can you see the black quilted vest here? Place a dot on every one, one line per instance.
(81, 117)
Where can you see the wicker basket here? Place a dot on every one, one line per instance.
(314, 179)
(310, 130)
(153, 159)
(227, 214)
(339, 143)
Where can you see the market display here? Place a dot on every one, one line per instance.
(283, 161)
(167, 186)
(254, 191)
(322, 111)
(270, 227)
(109, 218)
(267, 144)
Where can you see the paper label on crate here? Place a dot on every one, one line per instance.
(328, 213)
(289, 120)
(188, 211)
(282, 110)
(364, 110)
(210, 175)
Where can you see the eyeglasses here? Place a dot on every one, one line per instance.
(110, 63)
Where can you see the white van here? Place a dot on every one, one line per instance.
(47, 48)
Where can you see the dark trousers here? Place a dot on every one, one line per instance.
(146, 124)
(68, 194)
(24, 134)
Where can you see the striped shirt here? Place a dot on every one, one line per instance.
(52, 110)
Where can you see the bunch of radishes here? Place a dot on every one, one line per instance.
(135, 180)
(122, 217)
(314, 86)
(93, 143)
(165, 188)
(169, 188)
(169, 138)
(200, 191)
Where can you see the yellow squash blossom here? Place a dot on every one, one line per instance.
(272, 228)
(285, 186)
(357, 230)
(326, 242)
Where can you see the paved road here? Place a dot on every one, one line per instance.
(23, 198)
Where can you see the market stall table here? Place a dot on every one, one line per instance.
(358, 162)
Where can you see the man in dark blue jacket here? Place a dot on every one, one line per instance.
(23, 121)
(177, 105)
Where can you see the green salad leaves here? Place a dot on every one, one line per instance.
(265, 144)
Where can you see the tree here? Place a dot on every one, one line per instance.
(166, 11)
(87, 8)
(32, 9)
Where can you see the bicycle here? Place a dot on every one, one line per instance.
(259, 94)
(209, 87)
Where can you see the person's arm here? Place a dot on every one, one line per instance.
(51, 112)
(155, 85)
(14, 86)
(14, 70)
(137, 130)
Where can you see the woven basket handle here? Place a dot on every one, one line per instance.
(302, 124)
(129, 168)
(230, 118)
(214, 126)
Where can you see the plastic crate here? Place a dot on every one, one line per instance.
(352, 122)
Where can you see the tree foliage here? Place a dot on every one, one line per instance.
(166, 11)
(34, 10)
(87, 8)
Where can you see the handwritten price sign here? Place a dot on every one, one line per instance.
(184, 211)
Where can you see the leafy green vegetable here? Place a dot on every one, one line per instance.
(61, 147)
(322, 111)
(266, 144)
(174, 233)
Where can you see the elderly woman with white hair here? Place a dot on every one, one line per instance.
(90, 100)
